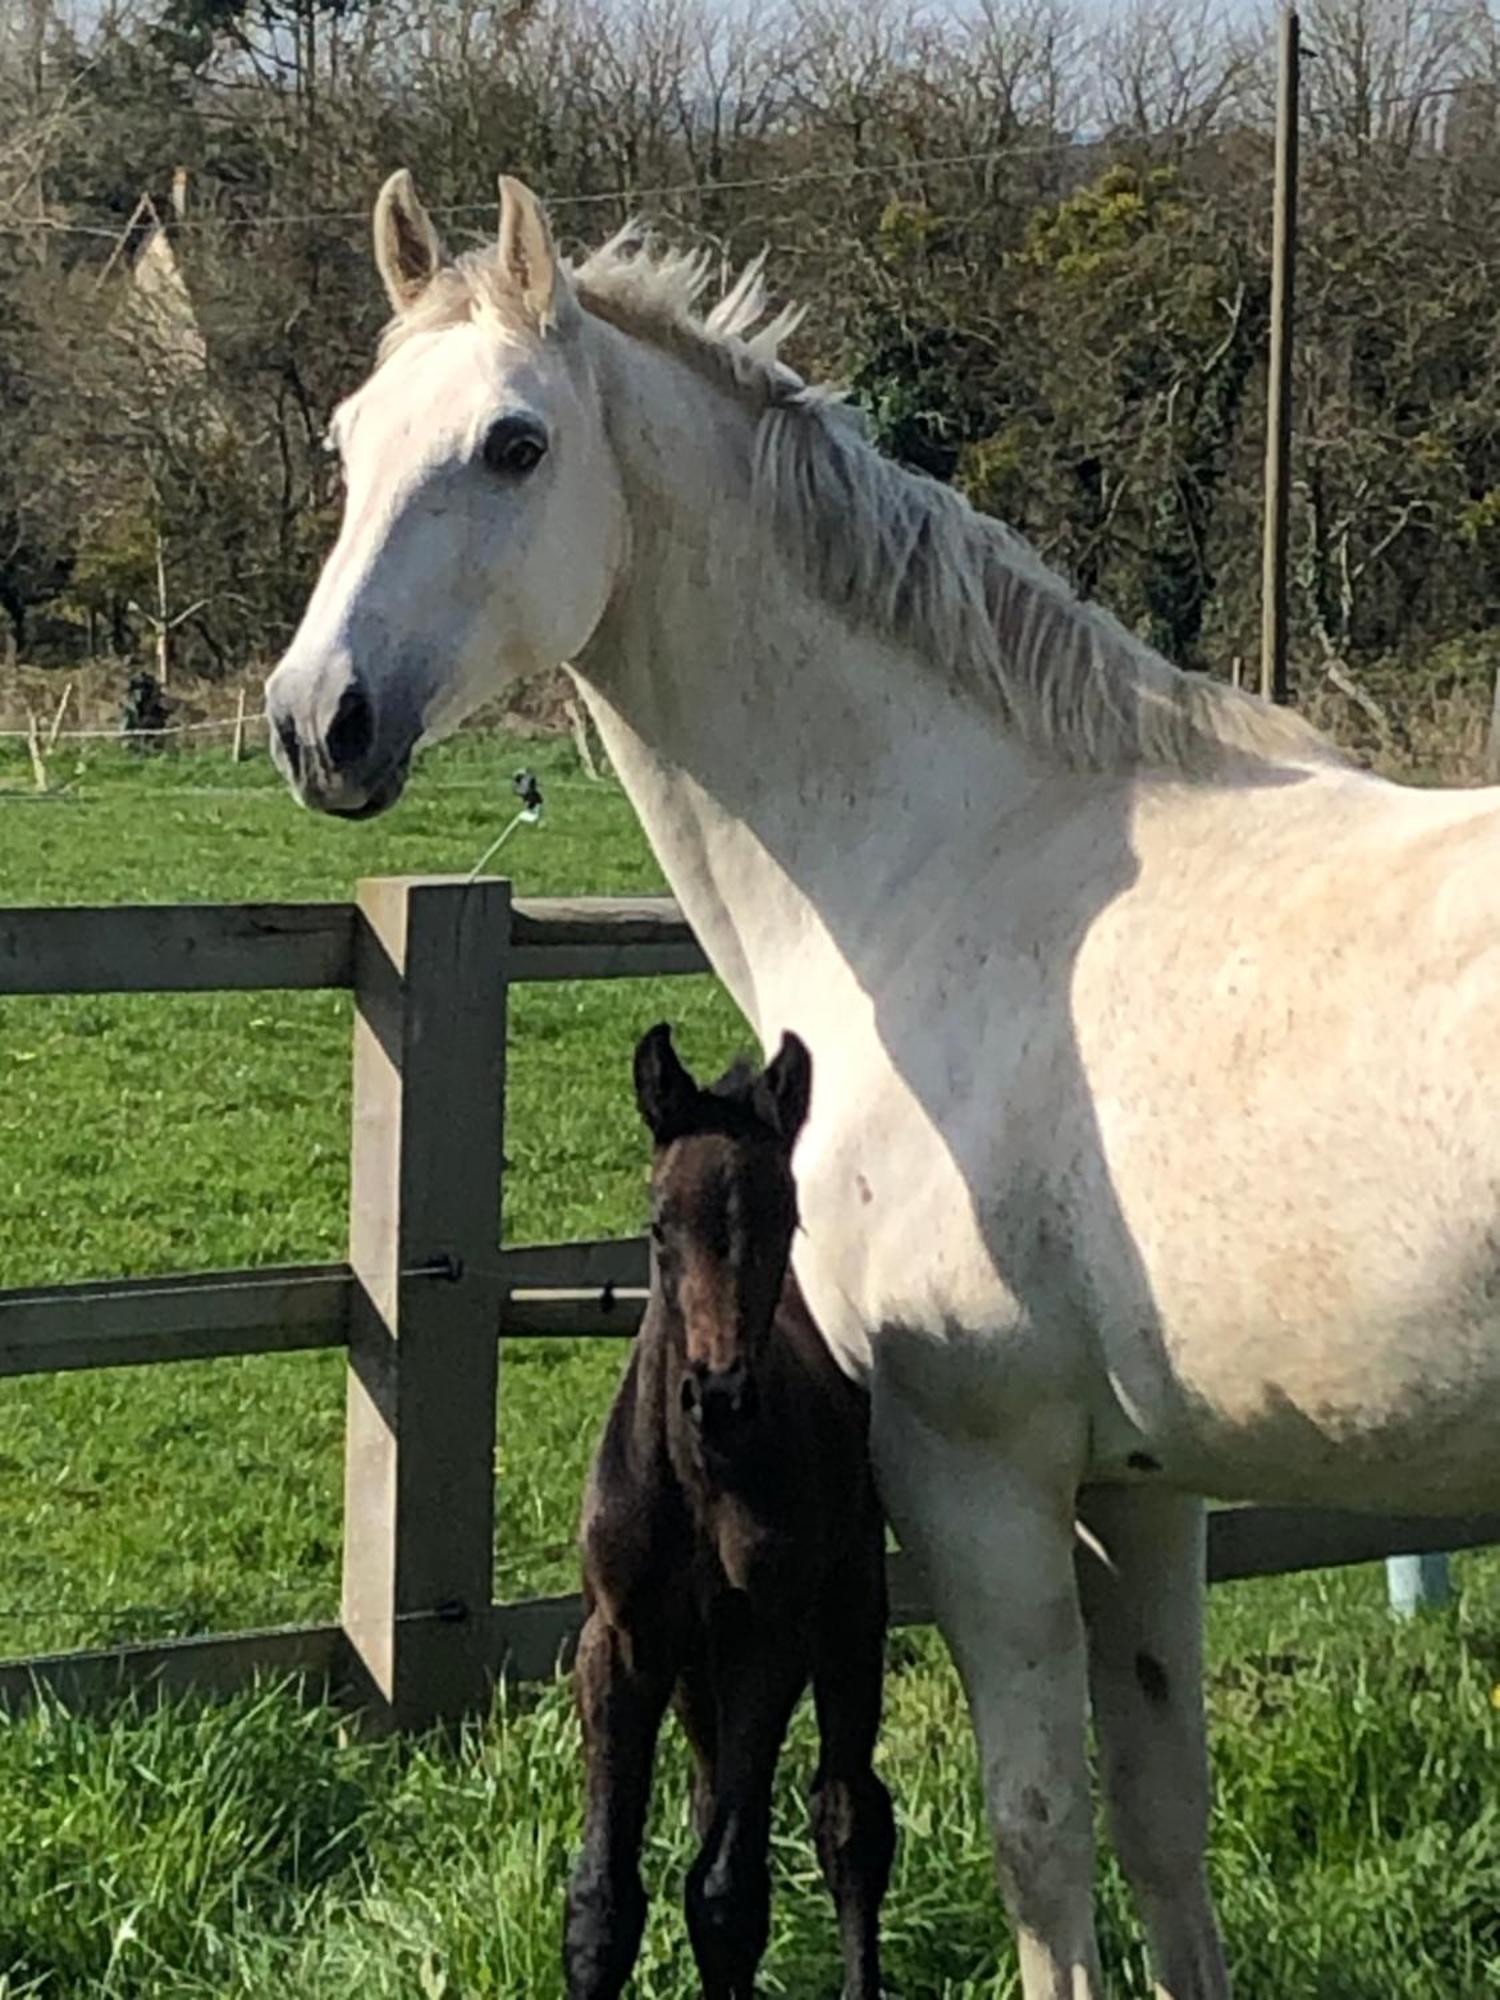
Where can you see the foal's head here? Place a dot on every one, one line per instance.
(723, 1211)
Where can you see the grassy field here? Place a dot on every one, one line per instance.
(256, 1848)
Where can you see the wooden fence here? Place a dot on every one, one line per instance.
(427, 1287)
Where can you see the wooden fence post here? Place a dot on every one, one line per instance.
(57, 720)
(34, 745)
(430, 985)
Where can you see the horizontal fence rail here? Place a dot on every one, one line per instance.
(180, 948)
(602, 937)
(271, 947)
(533, 1640)
(1243, 1542)
(417, 1638)
(196, 1317)
(548, 1289)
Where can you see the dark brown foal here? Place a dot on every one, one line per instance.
(733, 1549)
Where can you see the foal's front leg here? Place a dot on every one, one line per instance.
(698, 1712)
(759, 1672)
(623, 1691)
(852, 1819)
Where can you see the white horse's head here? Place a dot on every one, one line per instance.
(484, 525)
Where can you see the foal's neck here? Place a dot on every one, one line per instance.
(789, 772)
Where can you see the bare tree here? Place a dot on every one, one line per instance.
(1174, 67)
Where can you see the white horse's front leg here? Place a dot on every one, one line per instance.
(1143, 1603)
(995, 1538)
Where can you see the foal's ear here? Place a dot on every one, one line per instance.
(784, 1090)
(527, 257)
(407, 251)
(664, 1089)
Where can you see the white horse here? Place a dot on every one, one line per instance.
(1155, 1143)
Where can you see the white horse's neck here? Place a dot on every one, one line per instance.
(763, 742)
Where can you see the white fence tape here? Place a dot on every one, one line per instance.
(119, 735)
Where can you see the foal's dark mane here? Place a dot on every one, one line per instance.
(737, 1081)
(727, 1109)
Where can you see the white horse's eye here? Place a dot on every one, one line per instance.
(514, 445)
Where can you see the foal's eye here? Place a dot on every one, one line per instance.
(515, 446)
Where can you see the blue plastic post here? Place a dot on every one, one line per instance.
(1417, 1583)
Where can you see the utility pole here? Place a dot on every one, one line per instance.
(1273, 614)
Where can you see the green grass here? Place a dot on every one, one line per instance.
(257, 1848)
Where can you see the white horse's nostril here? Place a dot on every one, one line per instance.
(351, 734)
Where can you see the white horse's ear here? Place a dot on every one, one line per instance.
(527, 257)
(407, 251)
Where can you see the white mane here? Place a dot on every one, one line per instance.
(897, 553)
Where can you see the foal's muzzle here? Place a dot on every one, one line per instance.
(720, 1401)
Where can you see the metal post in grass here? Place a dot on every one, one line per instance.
(1417, 1583)
(430, 988)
